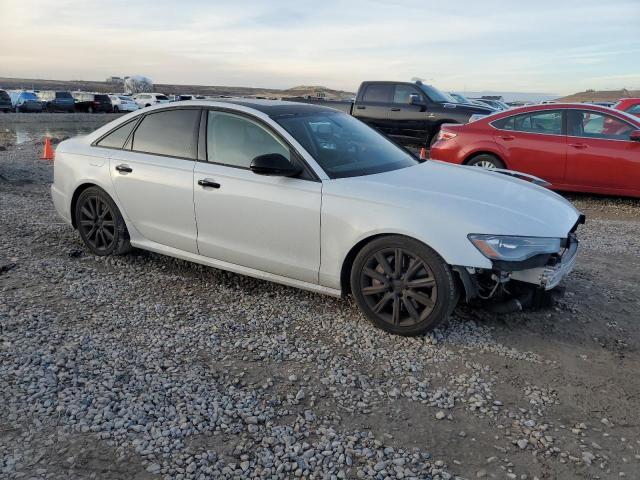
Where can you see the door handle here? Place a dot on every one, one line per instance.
(431, 115)
(395, 109)
(360, 107)
(579, 146)
(507, 137)
(124, 168)
(208, 183)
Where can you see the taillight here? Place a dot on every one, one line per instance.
(443, 135)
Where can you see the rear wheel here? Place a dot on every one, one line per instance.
(402, 285)
(486, 160)
(116, 109)
(100, 223)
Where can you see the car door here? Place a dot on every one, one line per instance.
(153, 177)
(267, 223)
(534, 143)
(374, 106)
(600, 153)
(410, 122)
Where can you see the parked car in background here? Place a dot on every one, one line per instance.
(495, 104)
(92, 102)
(122, 103)
(281, 182)
(5, 102)
(59, 101)
(410, 113)
(148, 99)
(574, 147)
(629, 105)
(24, 101)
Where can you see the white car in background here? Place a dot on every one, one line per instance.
(122, 103)
(311, 197)
(148, 99)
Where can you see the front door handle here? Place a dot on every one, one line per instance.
(395, 109)
(507, 137)
(360, 107)
(208, 183)
(579, 146)
(431, 115)
(124, 168)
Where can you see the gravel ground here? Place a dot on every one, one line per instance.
(145, 366)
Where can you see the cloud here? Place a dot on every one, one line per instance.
(475, 45)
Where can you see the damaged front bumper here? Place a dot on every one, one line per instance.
(549, 276)
(516, 279)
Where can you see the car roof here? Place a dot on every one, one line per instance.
(275, 108)
(558, 106)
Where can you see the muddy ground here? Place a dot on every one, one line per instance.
(551, 394)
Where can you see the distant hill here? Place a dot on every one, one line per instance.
(90, 86)
(600, 96)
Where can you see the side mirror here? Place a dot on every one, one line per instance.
(416, 100)
(275, 165)
(634, 136)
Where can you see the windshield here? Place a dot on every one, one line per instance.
(436, 95)
(344, 146)
(63, 95)
(460, 98)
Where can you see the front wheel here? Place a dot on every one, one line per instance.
(100, 223)
(116, 109)
(487, 161)
(402, 285)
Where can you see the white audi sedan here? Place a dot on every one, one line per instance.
(311, 197)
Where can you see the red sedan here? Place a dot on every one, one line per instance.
(574, 147)
(629, 105)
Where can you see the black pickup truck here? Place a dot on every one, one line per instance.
(411, 113)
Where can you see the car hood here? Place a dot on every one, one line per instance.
(471, 108)
(478, 200)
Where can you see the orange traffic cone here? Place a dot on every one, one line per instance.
(423, 153)
(48, 150)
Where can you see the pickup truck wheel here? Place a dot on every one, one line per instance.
(100, 223)
(402, 286)
(487, 161)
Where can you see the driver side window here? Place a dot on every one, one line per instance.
(235, 141)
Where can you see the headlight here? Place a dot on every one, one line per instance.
(513, 249)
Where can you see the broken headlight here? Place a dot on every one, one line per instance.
(512, 248)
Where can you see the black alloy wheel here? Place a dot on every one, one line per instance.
(402, 285)
(100, 223)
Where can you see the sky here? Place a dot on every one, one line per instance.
(559, 47)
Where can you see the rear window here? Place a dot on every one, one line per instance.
(4, 95)
(103, 98)
(63, 95)
(162, 97)
(170, 132)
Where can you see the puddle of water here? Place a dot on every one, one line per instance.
(18, 133)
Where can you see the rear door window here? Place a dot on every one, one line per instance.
(170, 132)
(378, 93)
(117, 137)
(634, 110)
(549, 122)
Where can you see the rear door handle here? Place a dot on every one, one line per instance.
(579, 146)
(395, 109)
(507, 137)
(208, 183)
(124, 168)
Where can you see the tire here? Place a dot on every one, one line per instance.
(116, 109)
(100, 223)
(90, 110)
(409, 300)
(487, 161)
